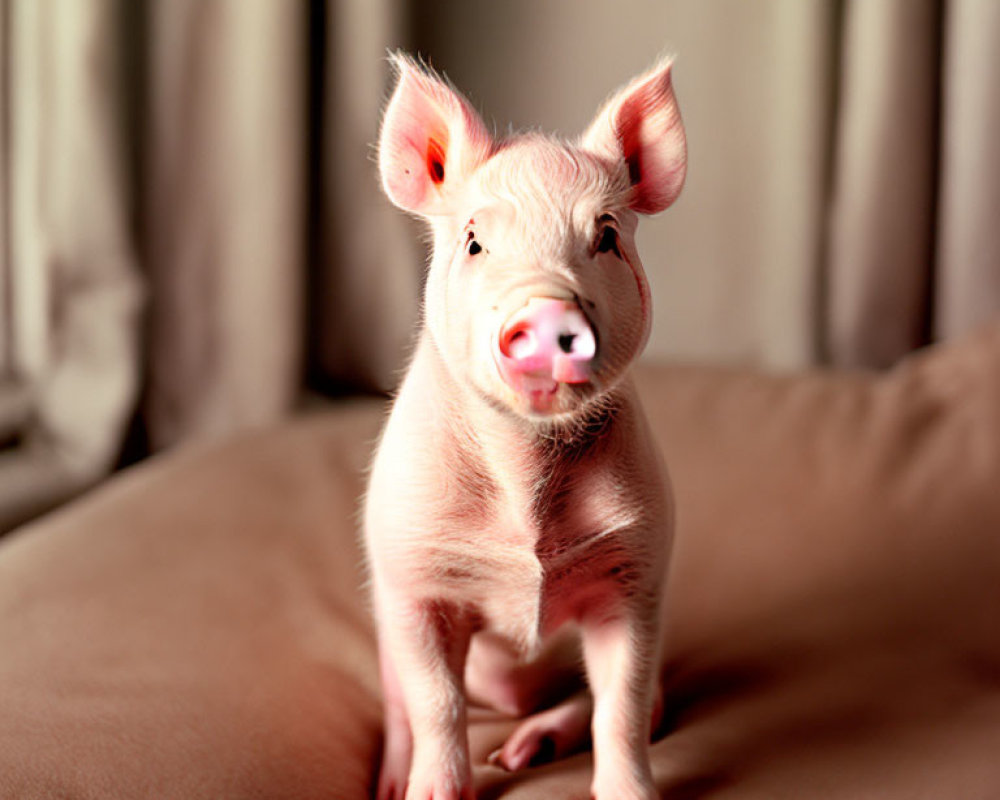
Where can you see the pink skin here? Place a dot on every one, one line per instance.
(516, 501)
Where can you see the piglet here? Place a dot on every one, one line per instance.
(516, 493)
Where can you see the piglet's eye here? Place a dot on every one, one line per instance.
(472, 247)
(607, 242)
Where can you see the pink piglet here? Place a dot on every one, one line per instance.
(516, 496)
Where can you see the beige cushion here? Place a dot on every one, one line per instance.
(198, 628)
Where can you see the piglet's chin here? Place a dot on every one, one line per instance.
(538, 394)
(542, 395)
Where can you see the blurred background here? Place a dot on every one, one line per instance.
(194, 242)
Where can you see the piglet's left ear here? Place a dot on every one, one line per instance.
(641, 125)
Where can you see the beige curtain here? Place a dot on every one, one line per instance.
(264, 225)
(882, 216)
(214, 158)
(224, 203)
(967, 289)
(70, 293)
(369, 257)
(915, 244)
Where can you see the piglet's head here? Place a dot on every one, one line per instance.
(536, 298)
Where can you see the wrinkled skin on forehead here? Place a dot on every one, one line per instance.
(516, 497)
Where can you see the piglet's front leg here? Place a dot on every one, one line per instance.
(427, 643)
(620, 644)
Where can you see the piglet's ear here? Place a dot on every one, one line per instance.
(641, 125)
(431, 141)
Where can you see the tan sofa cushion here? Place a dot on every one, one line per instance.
(197, 628)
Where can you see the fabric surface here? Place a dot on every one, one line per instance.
(198, 628)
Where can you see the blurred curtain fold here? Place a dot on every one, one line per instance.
(69, 287)
(914, 248)
(224, 198)
(271, 254)
(190, 217)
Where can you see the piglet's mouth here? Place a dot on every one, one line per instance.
(546, 343)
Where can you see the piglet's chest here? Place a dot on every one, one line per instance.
(521, 547)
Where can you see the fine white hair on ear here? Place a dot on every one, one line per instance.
(641, 126)
(431, 140)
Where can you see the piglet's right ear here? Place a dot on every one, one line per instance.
(431, 142)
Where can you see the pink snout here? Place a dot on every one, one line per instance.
(545, 343)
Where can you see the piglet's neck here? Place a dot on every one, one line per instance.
(487, 428)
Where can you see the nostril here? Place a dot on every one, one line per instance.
(520, 343)
(548, 340)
